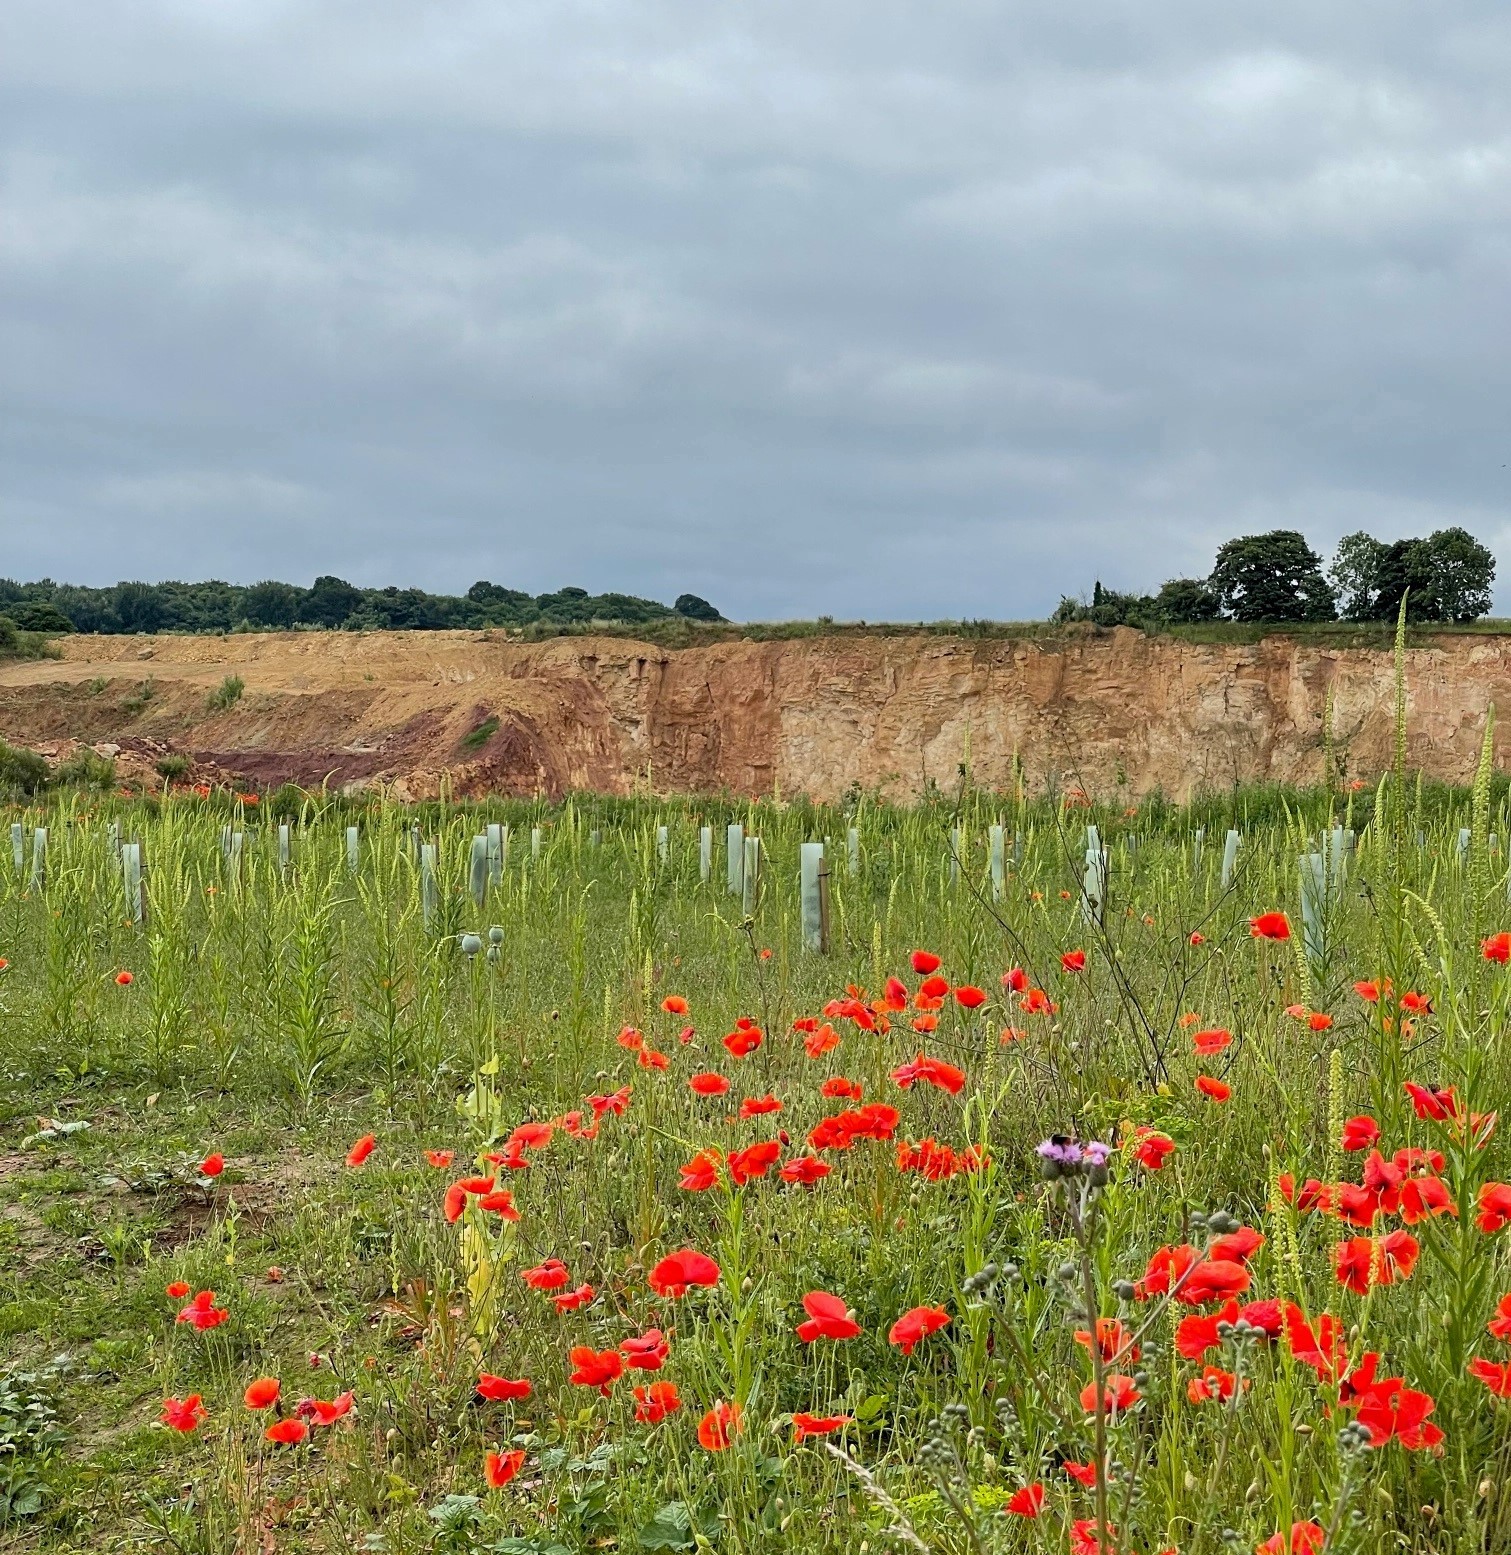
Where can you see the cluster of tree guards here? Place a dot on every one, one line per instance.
(331, 602)
(1279, 577)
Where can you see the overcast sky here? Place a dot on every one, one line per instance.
(876, 310)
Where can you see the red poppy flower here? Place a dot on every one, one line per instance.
(1320, 1347)
(1197, 1334)
(1430, 1104)
(1166, 1268)
(1026, 1502)
(753, 1161)
(1214, 1386)
(1118, 1393)
(1368, 992)
(915, 1325)
(550, 1275)
(595, 1368)
(177, 1290)
(1318, 1021)
(686, 1034)
(500, 1467)
(1015, 979)
(1497, 948)
(759, 1106)
(827, 1318)
(530, 1136)
(806, 1425)
(924, 962)
(1364, 1261)
(1218, 1090)
(1037, 1002)
(440, 1159)
(1236, 1246)
(719, 1427)
(1270, 925)
(459, 1192)
(329, 1412)
(1209, 1042)
(708, 1085)
(1198, 938)
(571, 1300)
(1360, 1133)
(1263, 1315)
(1151, 1149)
(678, 1271)
(629, 1037)
(125, 980)
(743, 1041)
(674, 1004)
(701, 1173)
(654, 1403)
(615, 1103)
(1081, 1473)
(288, 1433)
(1112, 1340)
(1306, 1539)
(924, 1024)
(822, 1039)
(840, 1087)
(262, 1394)
(500, 1202)
(1088, 1538)
(969, 997)
(932, 1071)
(1423, 1197)
(499, 1390)
(1494, 1207)
(212, 1165)
(183, 1414)
(203, 1313)
(1500, 1325)
(647, 1351)
(805, 1169)
(1416, 1003)
(360, 1151)
(1494, 1374)
(1392, 1410)
(649, 1058)
(1074, 961)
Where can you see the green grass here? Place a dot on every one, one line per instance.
(278, 1017)
(476, 739)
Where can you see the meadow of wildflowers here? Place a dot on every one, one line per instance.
(1101, 1207)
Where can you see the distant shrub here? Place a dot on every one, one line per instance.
(173, 767)
(85, 769)
(227, 694)
(21, 771)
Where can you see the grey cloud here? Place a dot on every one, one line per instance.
(886, 311)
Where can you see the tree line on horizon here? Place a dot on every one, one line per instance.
(330, 603)
(1278, 577)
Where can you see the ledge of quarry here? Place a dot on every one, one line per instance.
(1113, 711)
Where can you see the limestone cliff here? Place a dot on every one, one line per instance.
(809, 716)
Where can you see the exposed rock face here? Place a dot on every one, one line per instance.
(812, 716)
